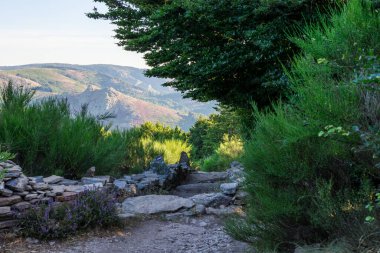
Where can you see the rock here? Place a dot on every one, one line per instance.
(51, 194)
(28, 188)
(90, 172)
(21, 194)
(17, 184)
(137, 177)
(236, 173)
(93, 187)
(120, 184)
(68, 182)
(74, 188)
(7, 201)
(159, 166)
(31, 196)
(6, 192)
(57, 189)
(5, 211)
(202, 224)
(200, 209)
(8, 224)
(67, 196)
(229, 188)
(41, 187)
(37, 179)
(184, 159)
(206, 177)
(12, 174)
(53, 179)
(94, 180)
(211, 199)
(154, 204)
(222, 211)
(188, 190)
(21, 206)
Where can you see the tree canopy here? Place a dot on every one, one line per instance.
(232, 51)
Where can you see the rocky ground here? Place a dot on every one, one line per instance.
(187, 219)
(193, 235)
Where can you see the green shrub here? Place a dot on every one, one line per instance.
(47, 139)
(230, 149)
(307, 177)
(60, 220)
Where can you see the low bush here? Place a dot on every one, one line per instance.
(59, 220)
(230, 149)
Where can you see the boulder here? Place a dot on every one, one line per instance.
(31, 196)
(159, 166)
(6, 192)
(21, 206)
(206, 177)
(188, 190)
(120, 184)
(53, 179)
(5, 212)
(7, 201)
(154, 204)
(36, 179)
(90, 172)
(68, 182)
(41, 187)
(229, 188)
(17, 184)
(67, 196)
(74, 188)
(57, 189)
(184, 159)
(211, 199)
(8, 224)
(94, 180)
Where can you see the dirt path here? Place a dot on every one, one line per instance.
(189, 235)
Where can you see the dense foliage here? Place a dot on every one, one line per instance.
(225, 50)
(59, 220)
(47, 139)
(312, 164)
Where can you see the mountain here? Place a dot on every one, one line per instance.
(124, 91)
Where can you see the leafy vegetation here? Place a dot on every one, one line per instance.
(225, 50)
(311, 163)
(48, 140)
(60, 220)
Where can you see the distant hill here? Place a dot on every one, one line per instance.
(124, 91)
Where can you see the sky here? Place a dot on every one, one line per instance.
(58, 31)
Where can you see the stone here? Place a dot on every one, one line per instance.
(90, 172)
(37, 179)
(57, 189)
(67, 196)
(52, 179)
(21, 206)
(206, 177)
(17, 184)
(31, 196)
(184, 159)
(28, 188)
(74, 188)
(12, 174)
(8, 224)
(7, 201)
(51, 194)
(188, 190)
(137, 177)
(155, 204)
(41, 186)
(68, 182)
(221, 211)
(120, 184)
(211, 199)
(5, 211)
(94, 180)
(159, 166)
(93, 187)
(229, 188)
(6, 192)
(200, 209)
(21, 194)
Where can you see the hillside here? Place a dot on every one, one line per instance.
(123, 91)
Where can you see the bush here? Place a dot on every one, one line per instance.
(60, 220)
(48, 140)
(230, 149)
(308, 178)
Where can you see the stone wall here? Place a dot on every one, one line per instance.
(19, 192)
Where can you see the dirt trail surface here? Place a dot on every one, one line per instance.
(189, 235)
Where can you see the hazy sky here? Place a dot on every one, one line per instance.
(47, 31)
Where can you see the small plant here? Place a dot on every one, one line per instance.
(371, 207)
(59, 220)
